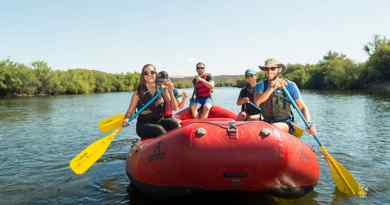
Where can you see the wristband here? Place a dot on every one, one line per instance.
(309, 124)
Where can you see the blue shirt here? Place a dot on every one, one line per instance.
(176, 93)
(292, 88)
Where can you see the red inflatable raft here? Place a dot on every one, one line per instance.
(221, 154)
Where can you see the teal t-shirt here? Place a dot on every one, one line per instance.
(291, 87)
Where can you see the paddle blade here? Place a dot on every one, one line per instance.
(298, 132)
(343, 179)
(86, 158)
(111, 123)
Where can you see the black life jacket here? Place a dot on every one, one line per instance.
(248, 107)
(154, 112)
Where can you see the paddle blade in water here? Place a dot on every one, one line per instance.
(343, 179)
(111, 123)
(86, 158)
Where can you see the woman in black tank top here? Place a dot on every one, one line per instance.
(154, 120)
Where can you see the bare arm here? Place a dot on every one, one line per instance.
(305, 110)
(133, 105)
(172, 99)
(209, 84)
(262, 97)
(183, 100)
(169, 96)
(302, 106)
(131, 109)
(241, 101)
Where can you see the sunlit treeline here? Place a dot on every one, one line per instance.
(336, 71)
(333, 71)
(39, 79)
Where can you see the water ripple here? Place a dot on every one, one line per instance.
(40, 135)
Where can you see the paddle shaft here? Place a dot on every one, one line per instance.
(299, 113)
(86, 158)
(353, 186)
(134, 115)
(254, 106)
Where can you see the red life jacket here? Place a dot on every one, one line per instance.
(168, 109)
(201, 90)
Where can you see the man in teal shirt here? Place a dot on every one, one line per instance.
(274, 103)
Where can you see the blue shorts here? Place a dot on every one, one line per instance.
(206, 101)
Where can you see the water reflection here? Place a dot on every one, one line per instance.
(138, 198)
(40, 135)
(243, 198)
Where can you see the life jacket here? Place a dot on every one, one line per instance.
(249, 107)
(201, 90)
(277, 107)
(154, 112)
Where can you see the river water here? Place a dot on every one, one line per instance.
(39, 135)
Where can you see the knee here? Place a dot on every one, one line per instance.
(193, 107)
(206, 108)
(282, 126)
(171, 125)
(242, 116)
(159, 129)
(151, 130)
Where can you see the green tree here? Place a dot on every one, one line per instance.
(43, 73)
(40, 79)
(56, 83)
(25, 82)
(334, 71)
(378, 64)
(298, 73)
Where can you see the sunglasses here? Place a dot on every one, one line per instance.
(249, 75)
(198, 68)
(149, 73)
(270, 68)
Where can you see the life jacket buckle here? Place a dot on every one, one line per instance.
(232, 130)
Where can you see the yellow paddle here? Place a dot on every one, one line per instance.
(86, 158)
(111, 123)
(298, 132)
(343, 179)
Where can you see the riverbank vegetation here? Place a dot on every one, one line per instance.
(335, 71)
(40, 79)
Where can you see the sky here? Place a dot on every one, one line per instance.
(228, 36)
